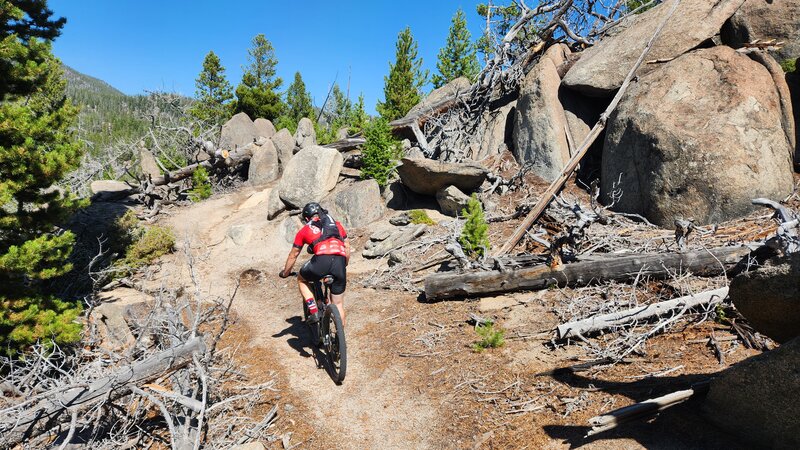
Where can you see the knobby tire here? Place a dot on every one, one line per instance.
(336, 347)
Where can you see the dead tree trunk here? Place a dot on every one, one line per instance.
(591, 270)
(620, 318)
(40, 417)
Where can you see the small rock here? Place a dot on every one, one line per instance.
(396, 258)
(400, 220)
(288, 407)
(342, 133)
(240, 234)
(398, 238)
(452, 200)
(381, 234)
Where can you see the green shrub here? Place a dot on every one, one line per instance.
(491, 337)
(154, 242)
(381, 152)
(475, 234)
(325, 135)
(789, 65)
(419, 216)
(286, 122)
(201, 185)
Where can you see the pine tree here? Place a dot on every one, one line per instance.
(402, 86)
(213, 92)
(298, 100)
(457, 58)
(257, 94)
(359, 117)
(475, 235)
(36, 150)
(381, 152)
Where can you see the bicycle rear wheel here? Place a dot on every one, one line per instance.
(335, 345)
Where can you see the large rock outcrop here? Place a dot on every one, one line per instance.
(540, 124)
(426, 176)
(756, 399)
(264, 165)
(602, 68)
(769, 298)
(765, 20)
(699, 138)
(311, 174)
(237, 132)
(356, 205)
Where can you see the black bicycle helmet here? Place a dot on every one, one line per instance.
(310, 210)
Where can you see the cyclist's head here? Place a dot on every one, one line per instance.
(311, 210)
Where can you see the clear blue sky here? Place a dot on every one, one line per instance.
(160, 45)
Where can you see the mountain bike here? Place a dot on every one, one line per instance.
(328, 332)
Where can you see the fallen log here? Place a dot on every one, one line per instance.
(594, 269)
(645, 409)
(621, 318)
(347, 144)
(41, 417)
(418, 119)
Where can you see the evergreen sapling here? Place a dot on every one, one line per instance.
(475, 234)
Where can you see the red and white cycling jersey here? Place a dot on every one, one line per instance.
(311, 232)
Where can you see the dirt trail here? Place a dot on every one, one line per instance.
(374, 408)
(446, 395)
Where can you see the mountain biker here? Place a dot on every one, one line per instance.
(328, 240)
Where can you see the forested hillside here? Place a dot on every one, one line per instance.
(106, 114)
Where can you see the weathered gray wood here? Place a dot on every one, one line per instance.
(344, 145)
(602, 322)
(644, 409)
(41, 416)
(590, 270)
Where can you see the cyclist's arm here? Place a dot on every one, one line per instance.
(291, 259)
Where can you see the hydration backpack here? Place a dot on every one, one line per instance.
(329, 229)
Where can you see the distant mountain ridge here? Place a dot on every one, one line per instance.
(107, 115)
(78, 82)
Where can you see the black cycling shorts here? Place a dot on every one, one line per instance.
(321, 265)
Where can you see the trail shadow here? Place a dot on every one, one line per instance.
(301, 339)
(682, 426)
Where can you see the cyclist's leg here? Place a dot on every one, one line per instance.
(339, 271)
(308, 273)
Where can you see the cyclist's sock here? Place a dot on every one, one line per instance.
(312, 306)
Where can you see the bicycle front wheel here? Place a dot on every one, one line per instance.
(335, 345)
